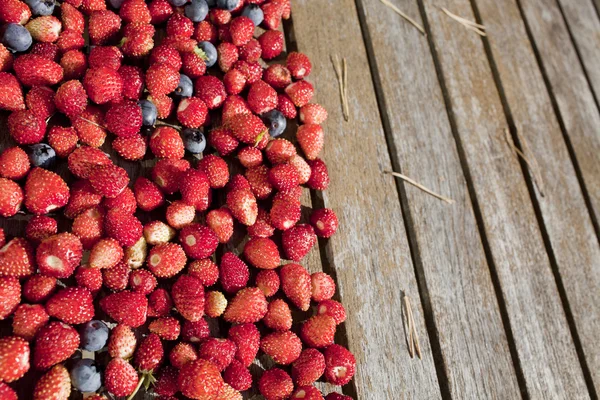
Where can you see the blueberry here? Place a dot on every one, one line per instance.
(41, 7)
(210, 52)
(255, 13)
(85, 377)
(197, 10)
(177, 3)
(94, 335)
(185, 87)
(211, 3)
(228, 5)
(275, 121)
(116, 3)
(42, 155)
(193, 140)
(17, 38)
(149, 112)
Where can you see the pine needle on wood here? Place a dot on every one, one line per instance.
(341, 73)
(531, 161)
(419, 186)
(473, 26)
(405, 16)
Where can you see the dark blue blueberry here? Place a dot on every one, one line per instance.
(228, 5)
(41, 7)
(94, 335)
(16, 38)
(197, 10)
(210, 53)
(85, 377)
(211, 3)
(42, 155)
(116, 3)
(185, 87)
(255, 13)
(149, 112)
(276, 122)
(177, 3)
(193, 140)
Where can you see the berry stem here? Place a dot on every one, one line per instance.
(139, 385)
(92, 122)
(160, 123)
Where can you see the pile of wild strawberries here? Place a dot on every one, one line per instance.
(138, 76)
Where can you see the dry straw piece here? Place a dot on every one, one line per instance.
(404, 15)
(531, 161)
(473, 26)
(418, 185)
(413, 337)
(341, 72)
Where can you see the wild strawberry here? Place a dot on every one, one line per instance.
(117, 277)
(126, 308)
(180, 25)
(318, 331)
(135, 11)
(71, 18)
(11, 197)
(233, 106)
(124, 202)
(44, 29)
(161, 79)
(167, 174)
(238, 182)
(219, 16)
(55, 384)
(324, 221)
(285, 212)
(238, 376)
(243, 207)
(296, 284)
(192, 112)
(63, 140)
(35, 70)
(166, 328)
(271, 43)
(89, 6)
(10, 292)
(251, 51)
(166, 260)
(307, 392)
(122, 342)
(249, 305)
(311, 138)
(103, 85)
(84, 159)
(16, 259)
(166, 55)
(28, 319)
(147, 194)
(300, 92)
(70, 40)
(196, 331)
(38, 288)
(71, 98)
(268, 281)
(149, 354)
(59, 254)
(312, 113)
(286, 106)
(166, 142)
(275, 384)
(182, 354)
(283, 347)
(228, 54)
(181, 43)
(279, 151)
(14, 163)
(233, 273)
(272, 12)
(262, 253)
(278, 76)
(193, 65)
(332, 308)
(103, 26)
(319, 176)
(135, 255)
(252, 70)
(83, 197)
(323, 286)
(200, 379)
(250, 156)
(241, 29)
(211, 90)
(229, 393)
(160, 10)
(157, 232)
(7, 393)
(340, 365)
(234, 81)
(299, 65)
(54, 343)
(106, 253)
(180, 214)
(284, 177)
(247, 339)
(166, 385)
(205, 32)
(90, 126)
(308, 367)
(109, 180)
(214, 304)
(137, 39)
(11, 98)
(72, 305)
(218, 351)
(198, 241)
(195, 189)
(215, 169)
(247, 128)
(205, 270)
(89, 278)
(6, 59)
(262, 97)
(124, 119)
(105, 56)
(278, 316)
(14, 11)
(14, 358)
(188, 296)
(298, 240)
(25, 127)
(40, 100)
(133, 82)
(221, 139)
(120, 377)
(220, 221)
(130, 148)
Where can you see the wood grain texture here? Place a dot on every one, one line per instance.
(568, 224)
(369, 252)
(472, 337)
(537, 320)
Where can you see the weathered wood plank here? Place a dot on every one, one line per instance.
(537, 320)
(369, 252)
(453, 260)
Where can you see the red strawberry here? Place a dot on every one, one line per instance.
(219, 16)
(262, 227)
(340, 365)
(247, 128)
(181, 43)
(180, 25)
(278, 316)
(7, 393)
(130, 148)
(218, 351)
(302, 167)
(182, 354)
(192, 112)
(243, 207)
(82, 198)
(271, 43)
(133, 82)
(10, 296)
(180, 214)
(310, 138)
(222, 140)
(214, 304)
(166, 142)
(71, 98)
(105, 56)
(308, 367)
(2, 237)
(109, 180)
(89, 278)
(117, 277)
(300, 92)
(241, 29)
(205, 270)
(198, 241)
(278, 76)
(323, 286)
(6, 59)
(188, 296)
(120, 377)
(135, 11)
(307, 392)
(247, 339)
(193, 65)
(272, 14)
(166, 55)
(234, 81)
(40, 227)
(268, 282)
(35, 70)
(252, 70)
(46, 50)
(228, 54)
(262, 253)
(195, 189)
(72, 305)
(285, 212)
(250, 156)
(142, 281)
(103, 25)
(70, 40)
(298, 240)
(337, 396)
(298, 64)
(59, 255)
(166, 385)
(11, 98)
(200, 379)
(211, 90)
(122, 342)
(233, 273)
(137, 39)
(11, 197)
(195, 331)
(167, 174)
(161, 79)
(249, 305)
(38, 288)
(275, 384)
(89, 6)
(286, 106)
(283, 347)
(90, 126)
(312, 113)
(14, 11)
(332, 308)
(318, 331)
(40, 100)
(54, 343)
(71, 18)
(14, 163)
(63, 140)
(149, 354)
(262, 97)
(25, 127)
(55, 384)
(147, 194)
(296, 284)
(220, 221)
(16, 259)
(160, 10)
(106, 253)
(166, 260)
(28, 319)
(319, 176)
(14, 358)
(103, 85)
(136, 255)
(126, 308)
(238, 376)
(205, 31)
(279, 151)
(124, 119)
(157, 232)
(258, 178)
(44, 29)
(233, 106)
(215, 169)
(83, 160)
(166, 328)
(284, 177)
(251, 51)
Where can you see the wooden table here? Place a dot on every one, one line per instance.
(505, 282)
